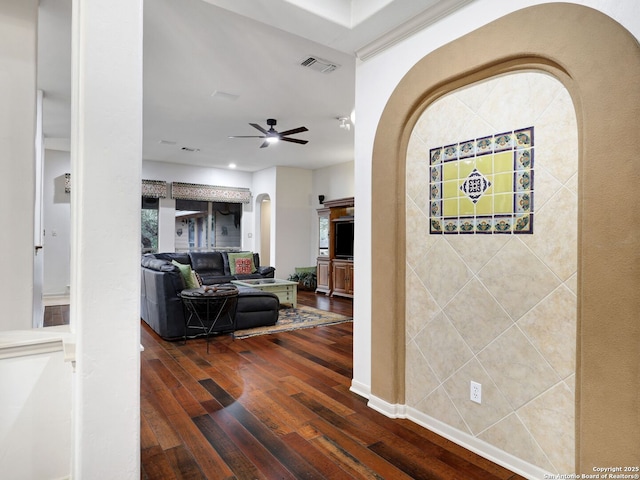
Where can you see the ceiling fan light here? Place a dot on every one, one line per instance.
(272, 139)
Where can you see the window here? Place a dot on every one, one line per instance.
(149, 225)
(204, 225)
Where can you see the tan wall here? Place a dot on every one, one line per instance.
(498, 309)
(599, 64)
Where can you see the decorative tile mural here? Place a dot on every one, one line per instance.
(483, 186)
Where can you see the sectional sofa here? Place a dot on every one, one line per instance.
(162, 280)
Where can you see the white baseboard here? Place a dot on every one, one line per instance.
(391, 410)
(360, 389)
(51, 300)
(465, 440)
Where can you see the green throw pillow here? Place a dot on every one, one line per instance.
(185, 271)
(234, 256)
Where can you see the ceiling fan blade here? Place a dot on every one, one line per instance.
(255, 125)
(246, 136)
(294, 140)
(265, 144)
(295, 130)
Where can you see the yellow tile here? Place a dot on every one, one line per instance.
(466, 167)
(451, 189)
(450, 207)
(466, 206)
(503, 183)
(489, 191)
(450, 171)
(484, 206)
(484, 164)
(503, 203)
(503, 162)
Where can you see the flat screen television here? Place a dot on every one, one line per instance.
(344, 240)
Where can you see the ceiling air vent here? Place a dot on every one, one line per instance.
(318, 64)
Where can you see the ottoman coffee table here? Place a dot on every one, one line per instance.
(286, 291)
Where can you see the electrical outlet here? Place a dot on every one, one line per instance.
(476, 392)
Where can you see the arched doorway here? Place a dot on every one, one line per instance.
(263, 242)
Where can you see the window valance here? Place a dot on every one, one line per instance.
(210, 193)
(154, 189)
(150, 188)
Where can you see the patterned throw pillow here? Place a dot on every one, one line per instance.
(233, 257)
(243, 266)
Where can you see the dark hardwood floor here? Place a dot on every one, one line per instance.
(279, 407)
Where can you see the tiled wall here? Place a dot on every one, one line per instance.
(498, 309)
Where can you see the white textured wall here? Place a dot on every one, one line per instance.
(290, 213)
(499, 310)
(106, 164)
(18, 22)
(35, 424)
(56, 223)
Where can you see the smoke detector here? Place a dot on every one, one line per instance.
(318, 64)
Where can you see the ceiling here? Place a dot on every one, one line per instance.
(211, 67)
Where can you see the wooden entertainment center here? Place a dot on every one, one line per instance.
(335, 259)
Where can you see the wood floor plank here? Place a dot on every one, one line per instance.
(156, 465)
(183, 463)
(291, 346)
(352, 456)
(290, 410)
(147, 437)
(231, 421)
(303, 368)
(435, 468)
(311, 454)
(157, 420)
(264, 436)
(273, 444)
(341, 422)
(304, 387)
(232, 455)
(191, 362)
(271, 414)
(322, 350)
(358, 452)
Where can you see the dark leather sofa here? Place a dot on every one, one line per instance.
(161, 282)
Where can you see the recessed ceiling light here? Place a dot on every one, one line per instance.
(232, 165)
(166, 142)
(190, 149)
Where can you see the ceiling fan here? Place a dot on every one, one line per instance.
(272, 136)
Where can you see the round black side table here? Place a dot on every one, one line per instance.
(210, 309)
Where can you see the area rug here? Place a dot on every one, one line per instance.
(294, 319)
